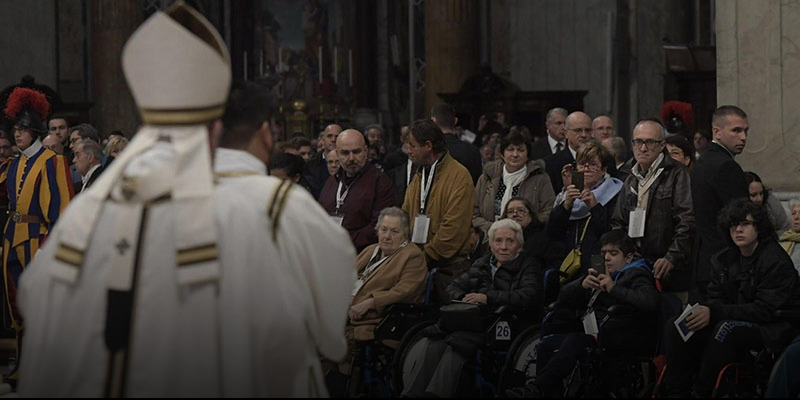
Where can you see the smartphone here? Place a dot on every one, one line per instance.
(577, 180)
(599, 263)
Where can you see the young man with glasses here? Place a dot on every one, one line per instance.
(751, 278)
(655, 208)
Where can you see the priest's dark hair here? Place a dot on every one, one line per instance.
(249, 106)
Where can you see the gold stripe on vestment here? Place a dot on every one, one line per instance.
(197, 254)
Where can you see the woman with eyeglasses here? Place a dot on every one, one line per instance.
(537, 244)
(514, 176)
(582, 215)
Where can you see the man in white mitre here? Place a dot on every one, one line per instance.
(156, 283)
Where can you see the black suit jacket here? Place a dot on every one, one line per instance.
(315, 174)
(540, 149)
(553, 165)
(466, 155)
(93, 177)
(398, 176)
(716, 180)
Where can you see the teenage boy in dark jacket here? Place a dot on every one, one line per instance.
(627, 281)
(750, 280)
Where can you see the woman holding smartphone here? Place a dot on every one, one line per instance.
(583, 210)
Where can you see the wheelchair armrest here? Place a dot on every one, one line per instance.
(620, 309)
(791, 316)
(404, 308)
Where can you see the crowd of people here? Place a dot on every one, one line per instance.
(176, 267)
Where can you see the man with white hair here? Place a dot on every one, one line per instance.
(655, 208)
(161, 284)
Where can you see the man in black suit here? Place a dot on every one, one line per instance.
(87, 160)
(444, 115)
(316, 171)
(579, 131)
(401, 174)
(716, 180)
(556, 135)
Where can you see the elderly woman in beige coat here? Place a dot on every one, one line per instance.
(391, 271)
(515, 176)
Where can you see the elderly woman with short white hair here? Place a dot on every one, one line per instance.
(790, 240)
(504, 277)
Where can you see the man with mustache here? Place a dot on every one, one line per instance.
(355, 196)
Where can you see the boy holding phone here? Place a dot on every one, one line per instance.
(628, 280)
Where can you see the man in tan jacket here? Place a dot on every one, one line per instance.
(439, 201)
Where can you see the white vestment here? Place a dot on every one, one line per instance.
(279, 301)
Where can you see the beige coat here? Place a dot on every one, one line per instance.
(400, 279)
(535, 187)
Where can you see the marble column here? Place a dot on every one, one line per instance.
(113, 22)
(451, 46)
(758, 69)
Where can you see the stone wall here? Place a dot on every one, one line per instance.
(758, 69)
(28, 42)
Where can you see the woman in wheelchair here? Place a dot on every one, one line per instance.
(751, 279)
(506, 277)
(627, 282)
(391, 271)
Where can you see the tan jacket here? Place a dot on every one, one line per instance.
(536, 187)
(400, 279)
(449, 208)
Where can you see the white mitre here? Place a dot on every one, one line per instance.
(178, 70)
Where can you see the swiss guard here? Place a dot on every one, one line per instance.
(39, 187)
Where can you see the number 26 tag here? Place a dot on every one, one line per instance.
(502, 331)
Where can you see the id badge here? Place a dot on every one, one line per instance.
(421, 224)
(357, 287)
(590, 324)
(338, 218)
(636, 223)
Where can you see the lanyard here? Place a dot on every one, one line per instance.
(341, 196)
(369, 270)
(425, 188)
(595, 293)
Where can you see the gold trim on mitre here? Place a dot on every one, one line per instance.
(182, 116)
(178, 68)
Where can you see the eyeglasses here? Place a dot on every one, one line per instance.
(517, 211)
(589, 166)
(650, 143)
(587, 131)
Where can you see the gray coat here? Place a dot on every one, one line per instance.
(535, 187)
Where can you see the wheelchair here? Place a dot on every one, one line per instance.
(749, 377)
(506, 339)
(374, 358)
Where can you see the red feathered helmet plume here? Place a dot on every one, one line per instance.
(677, 116)
(28, 108)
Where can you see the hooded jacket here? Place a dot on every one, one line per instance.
(752, 288)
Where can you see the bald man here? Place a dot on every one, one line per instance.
(355, 196)
(316, 172)
(603, 128)
(579, 131)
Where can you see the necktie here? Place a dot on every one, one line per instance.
(559, 147)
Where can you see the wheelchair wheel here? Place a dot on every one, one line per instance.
(407, 354)
(520, 364)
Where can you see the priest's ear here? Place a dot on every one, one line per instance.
(214, 133)
(264, 136)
